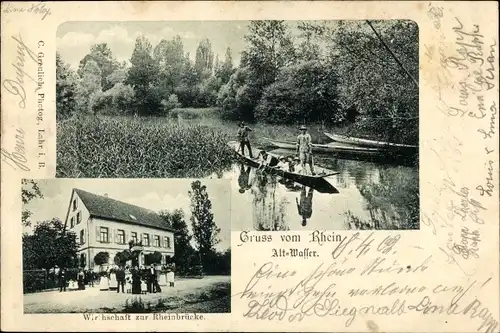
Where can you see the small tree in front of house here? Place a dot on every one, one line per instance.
(122, 257)
(134, 253)
(152, 258)
(101, 258)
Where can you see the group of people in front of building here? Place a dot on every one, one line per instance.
(297, 164)
(138, 280)
(75, 280)
(127, 279)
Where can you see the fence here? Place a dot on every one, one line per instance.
(37, 280)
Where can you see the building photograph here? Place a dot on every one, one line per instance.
(104, 224)
(126, 245)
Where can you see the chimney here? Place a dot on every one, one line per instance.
(105, 195)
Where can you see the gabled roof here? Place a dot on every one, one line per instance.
(111, 209)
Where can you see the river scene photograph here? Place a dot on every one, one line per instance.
(315, 124)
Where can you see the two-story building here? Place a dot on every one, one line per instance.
(102, 224)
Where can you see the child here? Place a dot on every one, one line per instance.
(283, 164)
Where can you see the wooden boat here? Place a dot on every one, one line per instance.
(371, 143)
(317, 181)
(329, 148)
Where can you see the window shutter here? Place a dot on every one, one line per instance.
(97, 234)
(115, 233)
(83, 236)
(124, 236)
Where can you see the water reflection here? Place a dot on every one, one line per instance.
(371, 197)
(305, 205)
(268, 209)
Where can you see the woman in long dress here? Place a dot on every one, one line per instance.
(128, 281)
(104, 282)
(163, 277)
(170, 275)
(136, 281)
(81, 280)
(113, 283)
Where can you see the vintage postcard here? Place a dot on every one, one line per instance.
(250, 166)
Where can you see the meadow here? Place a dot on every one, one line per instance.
(187, 143)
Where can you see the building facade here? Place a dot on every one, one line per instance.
(102, 224)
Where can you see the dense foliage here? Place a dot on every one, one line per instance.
(29, 191)
(48, 246)
(101, 147)
(188, 257)
(101, 258)
(357, 73)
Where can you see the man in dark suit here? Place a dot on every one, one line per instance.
(120, 278)
(151, 279)
(62, 279)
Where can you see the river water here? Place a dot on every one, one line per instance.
(371, 196)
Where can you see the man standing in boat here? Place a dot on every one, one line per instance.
(243, 138)
(304, 149)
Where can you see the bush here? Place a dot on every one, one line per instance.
(302, 93)
(36, 280)
(101, 258)
(171, 103)
(238, 97)
(136, 306)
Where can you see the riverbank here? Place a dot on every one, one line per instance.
(189, 143)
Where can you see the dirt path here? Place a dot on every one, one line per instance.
(187, 293)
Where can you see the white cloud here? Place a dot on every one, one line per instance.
(75, 39)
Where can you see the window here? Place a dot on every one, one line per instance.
(145, 239)
(104, 232)
(72, 221)
(121, 236)
(75, 204)
(134, 237)
(83, 260)
(157, 241)
(78, 217)
(167, 242)
(82, 236)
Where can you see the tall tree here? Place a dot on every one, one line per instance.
(204, 59)
(143, 78)
(169, 55)
(205, 231)
(101, 54)
(310, 34)
(373, 82)
(65, 89)
(269, 47)
(29, 191)
(182, 245)
(225, 70)
(89, 87)
(49, 245)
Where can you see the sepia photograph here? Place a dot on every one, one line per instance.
(264, 166)
(315, 123)
(126, 246)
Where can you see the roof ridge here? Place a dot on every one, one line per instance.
(106, 207)
(123, 202)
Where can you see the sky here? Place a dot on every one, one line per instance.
(153, 194)
(74, 39)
